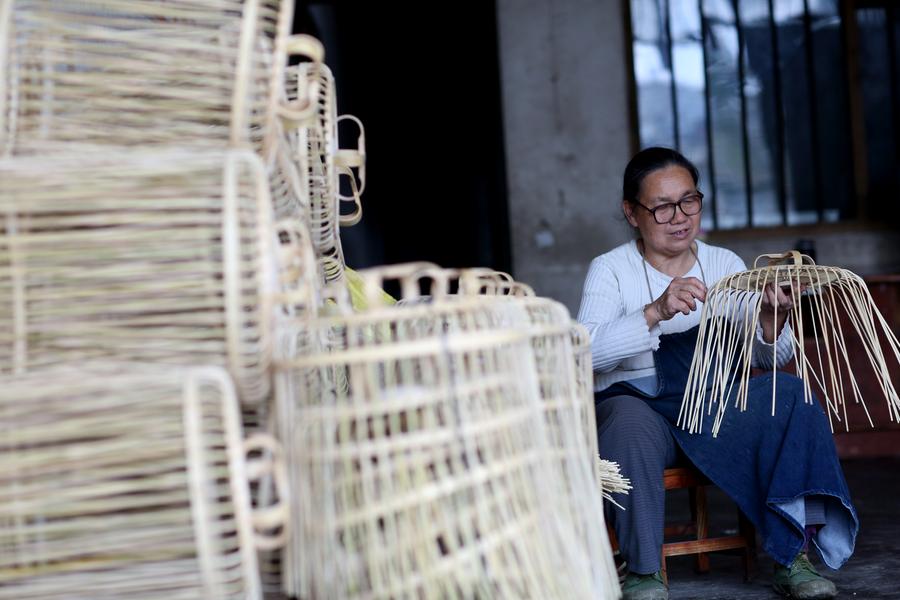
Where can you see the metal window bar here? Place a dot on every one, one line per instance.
(780, 158)
(858, 206)
(711, 162)
(676, 133)
(892, 66)
(813, 110)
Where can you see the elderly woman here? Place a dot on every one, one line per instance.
(641, 304)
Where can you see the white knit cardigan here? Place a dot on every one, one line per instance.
(612, 310)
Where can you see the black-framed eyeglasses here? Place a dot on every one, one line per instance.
(664, 213)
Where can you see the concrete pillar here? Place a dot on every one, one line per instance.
(565, 85)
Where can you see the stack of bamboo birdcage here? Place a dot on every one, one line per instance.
(136, 289)
(152, 298)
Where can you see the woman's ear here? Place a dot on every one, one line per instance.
(628, 209)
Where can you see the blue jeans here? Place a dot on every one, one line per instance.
(767, 464)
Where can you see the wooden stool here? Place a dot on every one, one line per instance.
(695, 482)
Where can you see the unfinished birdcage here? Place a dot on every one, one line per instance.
(132, 72)
(720, 369)
(416, 435)
(124, 481)
(145, 256)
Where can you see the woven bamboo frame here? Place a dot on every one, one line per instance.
(132, 72)
(568, 410)
(489, 282)
(542, 310)
(298, 299)
(164, 257)
(321, 163)
(117, 481)
(729, 321)
(314, 145)
(313, 82)
(608, 473)
(385, 425)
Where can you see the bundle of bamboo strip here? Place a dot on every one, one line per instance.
(721, 362)
(123, 481)
(418, 437)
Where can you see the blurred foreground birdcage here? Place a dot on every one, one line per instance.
(138, 256)
(425, 451)
(121, 481)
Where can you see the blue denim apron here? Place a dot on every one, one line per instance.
(766, 464)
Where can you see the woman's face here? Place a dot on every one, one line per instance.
(669, 184)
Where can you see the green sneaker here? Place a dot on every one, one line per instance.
(644, 587)
(801, 581)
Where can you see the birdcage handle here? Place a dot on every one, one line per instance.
(793, 255)
(491, 282)
(302, 109)
(270, 465)
(410, 277)
(305, 45)
(347, 159)
(354, 158)
(347, 220)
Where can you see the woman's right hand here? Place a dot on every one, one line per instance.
(679, 297)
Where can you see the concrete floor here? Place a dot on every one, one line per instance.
(873, 572)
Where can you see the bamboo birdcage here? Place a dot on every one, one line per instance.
(128, 72)
(298, 299)
(576, 380)
(417, 436)
(728, 323)
(145, 256)
(608, 472)
(123, 481)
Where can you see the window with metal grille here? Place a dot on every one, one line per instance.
(756, 93)
(876, 40)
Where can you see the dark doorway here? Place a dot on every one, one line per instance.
(426, 86)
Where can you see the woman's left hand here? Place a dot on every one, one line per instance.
(776, 305)
(775, 296)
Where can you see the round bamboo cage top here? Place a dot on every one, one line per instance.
(124, 481)
(145, 256)
(784, 270)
